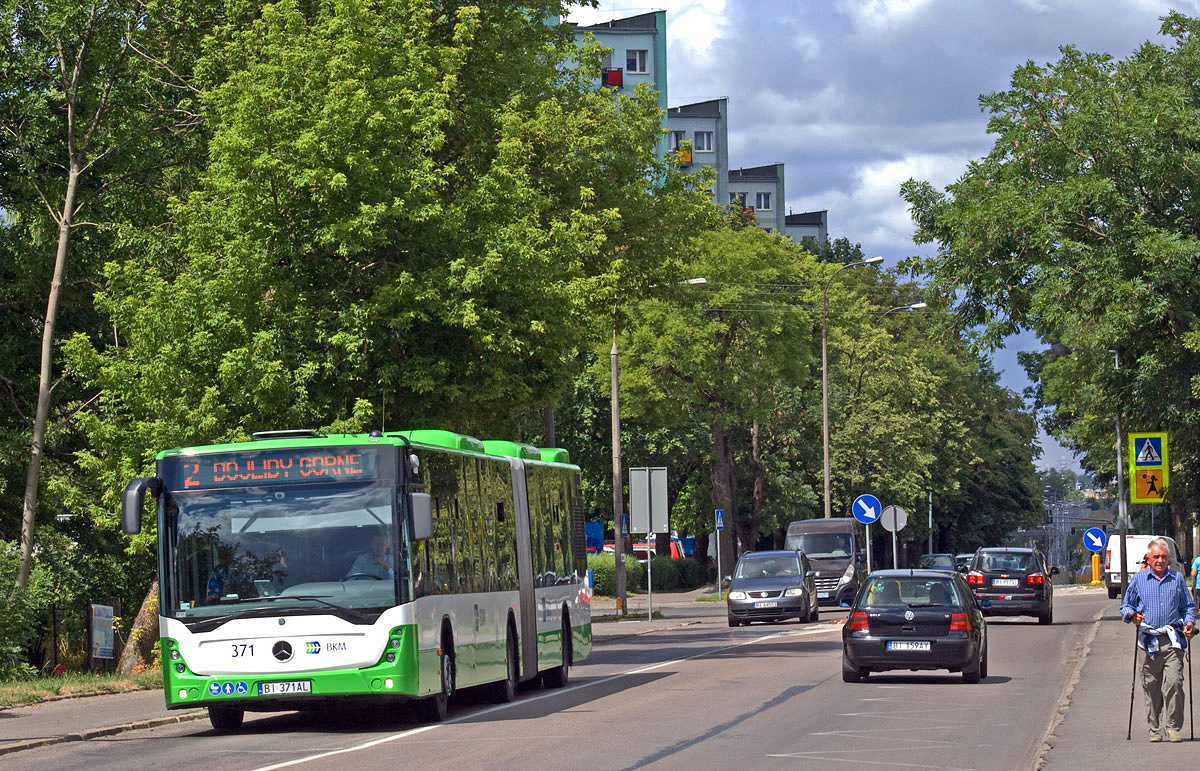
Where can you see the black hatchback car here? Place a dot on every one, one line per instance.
(1014, 581)
(772, 586)
(916, 620)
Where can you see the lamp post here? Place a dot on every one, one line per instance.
(1058, 349)
(618, 492)
(825, 372)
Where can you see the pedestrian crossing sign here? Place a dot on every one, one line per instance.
(1148, 467)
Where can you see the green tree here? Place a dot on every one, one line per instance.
(92, 105)
(1081, 225)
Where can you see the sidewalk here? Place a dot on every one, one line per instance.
(1096, 714)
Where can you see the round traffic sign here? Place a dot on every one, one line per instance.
(866, 509)
(1094, 539)
(894, 519)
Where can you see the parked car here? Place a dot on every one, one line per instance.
(1014, 581)
(936, 561)
(914, 620)
(772, 586)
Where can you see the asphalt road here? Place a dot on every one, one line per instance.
(695, 697)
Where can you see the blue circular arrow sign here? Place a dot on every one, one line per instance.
(1094, 539)
(866, 509)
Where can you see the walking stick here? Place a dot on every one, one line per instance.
(1191, 716)
(1132, 684)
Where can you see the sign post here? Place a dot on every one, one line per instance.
(648, 508)
(894, 519)
(1148, 467)
(1095, 539)
(720, 527)
(866, 510)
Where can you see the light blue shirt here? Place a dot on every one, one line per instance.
(365, 564)
(1196, 568)
(1165, 601)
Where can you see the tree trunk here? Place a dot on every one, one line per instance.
(32, 477)
(724, 493)
(139, 648)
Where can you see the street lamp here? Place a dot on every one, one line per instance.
(618, 493)
(825, 371)
(1058, 349)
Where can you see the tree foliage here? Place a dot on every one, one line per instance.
(1082, 225)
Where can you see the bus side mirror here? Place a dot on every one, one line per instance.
(134, 499)
(422, 516)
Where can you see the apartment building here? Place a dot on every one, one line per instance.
(810, 226)
(701, 129)
(638, 55)
(759, 190)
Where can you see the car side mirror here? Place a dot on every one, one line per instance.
(810, 574)
(727, 580)
(985, 603)
(1054, 571)
(844, 604)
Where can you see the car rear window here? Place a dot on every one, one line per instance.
(1001, 561)
(767, 567)
(909, 592)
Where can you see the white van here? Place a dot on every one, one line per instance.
(1135, 550)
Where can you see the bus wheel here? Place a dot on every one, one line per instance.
(433, 709)
(226, 719)
(506, 690)
(557, 677)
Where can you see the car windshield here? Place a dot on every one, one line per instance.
(1005, 561)
(909, 592)
(767, 567)
(821, 545)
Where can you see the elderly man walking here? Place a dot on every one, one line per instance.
(1159, 602)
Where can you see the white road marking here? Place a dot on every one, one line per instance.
(498, 707)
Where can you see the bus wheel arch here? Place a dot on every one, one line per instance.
(557, 676)
(505, 690)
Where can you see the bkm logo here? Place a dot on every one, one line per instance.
(312, 647)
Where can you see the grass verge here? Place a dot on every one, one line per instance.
(17, 692)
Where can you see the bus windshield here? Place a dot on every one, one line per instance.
(252, 550)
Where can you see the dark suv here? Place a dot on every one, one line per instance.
(1014, 582)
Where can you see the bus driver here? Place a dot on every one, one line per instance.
(376, 563)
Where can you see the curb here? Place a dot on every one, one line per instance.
(95, 733)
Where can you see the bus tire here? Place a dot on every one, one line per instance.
(506, 690)
(433, 709)
(226, 719)
(557, 677)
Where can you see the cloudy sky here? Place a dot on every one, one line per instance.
(856, 96)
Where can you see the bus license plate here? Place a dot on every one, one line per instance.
(767, 604)
(908, 645)
(285, 688)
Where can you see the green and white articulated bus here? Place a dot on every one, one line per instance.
(302, 571)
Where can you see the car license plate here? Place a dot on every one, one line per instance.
(1004, 582)
(285, 688)
(767, 604)
(822, 595)
(908, 645)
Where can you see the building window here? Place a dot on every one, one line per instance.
(676, 138)
(635, 61)
(703, 143)
(762, 201)
(737, 199)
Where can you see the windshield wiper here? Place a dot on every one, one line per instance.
(309, 597)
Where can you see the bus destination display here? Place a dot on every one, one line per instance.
(343, 464)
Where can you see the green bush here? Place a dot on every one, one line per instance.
(18, 616)
(604, 573)
(692, 574)
(664, 572)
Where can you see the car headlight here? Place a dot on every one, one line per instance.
(848, 576)
(796, 591)
(737, 594)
